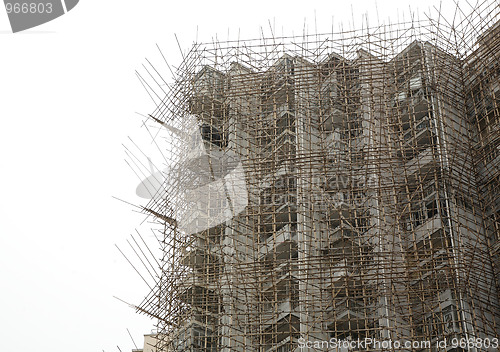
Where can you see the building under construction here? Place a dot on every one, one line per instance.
(335, 187)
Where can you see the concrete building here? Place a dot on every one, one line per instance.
(150, 342)
(371, 170)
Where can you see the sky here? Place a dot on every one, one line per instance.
(69, 100)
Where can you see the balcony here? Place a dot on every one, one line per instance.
(200, 215)
(205, 160)
(282, 209)
(444, 319)
(430, 225)
(280, 244)
(209, 82)
(332, 113)
(336, 147)
(277, 93)
(343, 255)
(429, 266)
(273, 311)
(197, 290)
(277, 113)
(417, 137)
(493, 206)
(198, 258)
(286, 345)
(280, 276)
(279, 328)
(277, 85)
(340, 205)
(338, 236)
(428, 258)
(339, 272)
(330, 103)
(208, 91)
(198, 279)
(282, 145)
(192, 336)
(490, 166)
(495, 249)
(286, 170)
(421, 165)
(329, 85)
(349, 314)
(421, 216)
(412, 107)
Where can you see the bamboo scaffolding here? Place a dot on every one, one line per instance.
(371, 169)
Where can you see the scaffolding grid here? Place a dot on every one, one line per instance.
(331, 186)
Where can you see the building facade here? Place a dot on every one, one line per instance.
(371, 172)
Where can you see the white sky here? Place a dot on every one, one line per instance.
(68, 97)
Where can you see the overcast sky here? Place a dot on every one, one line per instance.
(68, 101)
